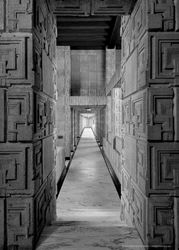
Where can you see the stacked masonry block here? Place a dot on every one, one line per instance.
(150, 109)
(27, 87)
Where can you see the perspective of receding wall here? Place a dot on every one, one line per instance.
(150, 145)
(63, 111)
(141, 137)
(112, 141)
(27, 81)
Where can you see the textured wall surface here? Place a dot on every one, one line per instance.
(63, 112)
(112, 143)
(143, 128)
(27, 80)
(87, 73)
(150, 49)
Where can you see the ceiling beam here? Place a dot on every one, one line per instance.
(85, 32)
(82, 27)
(83, 19)
(79, 39)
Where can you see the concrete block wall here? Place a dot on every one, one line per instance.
(112, 142)
(149, 78)
(27, 87)
(100, 124)
(88, 73)
(63, 111)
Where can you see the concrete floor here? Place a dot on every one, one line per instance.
(88, 207)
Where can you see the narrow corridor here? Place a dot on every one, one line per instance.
(88, 207)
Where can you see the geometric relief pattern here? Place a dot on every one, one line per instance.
(161, 225)
(138, 113)
(136, 26)
(44, 120)
(164, 162)
(43, 202)
(38, 165)
(134, 115)
(19, 15)
(15, 172)
(164, 48)
(45, 28)
(15, 61)
(141, 165)
(161, 15)
(20, 117)
(19, 222)
(139, 210)
(37, 63)
(161, 114)
(126, 115)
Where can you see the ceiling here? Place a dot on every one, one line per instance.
(90, 24)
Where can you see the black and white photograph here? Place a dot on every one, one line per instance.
(89, 124)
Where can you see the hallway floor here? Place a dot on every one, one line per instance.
(88, 207)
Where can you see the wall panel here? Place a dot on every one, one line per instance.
(27, 92)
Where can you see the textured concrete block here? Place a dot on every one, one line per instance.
(45, 27)
(19, 15)
(164, 160)
(38, 164)
(20, 114)
(126, 115)
(141, 165)
(160, 115)
(161, 221)
(139, 211)
(130, 155)
(48, 156)
(44, 116)
(142, 61)
(133, 28)
(48, 75)
(164, 48)
(161, 15)
(16, 169)
(138, 114)
(44, 204)
(129, 75)
(15, 59)
(20, 222)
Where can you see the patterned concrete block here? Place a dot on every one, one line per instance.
(15, 59)
(20, 222)
(160, 116)
(19, 16)
(161, 221)
(165, 48)
(16, 169)
(164, 160)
